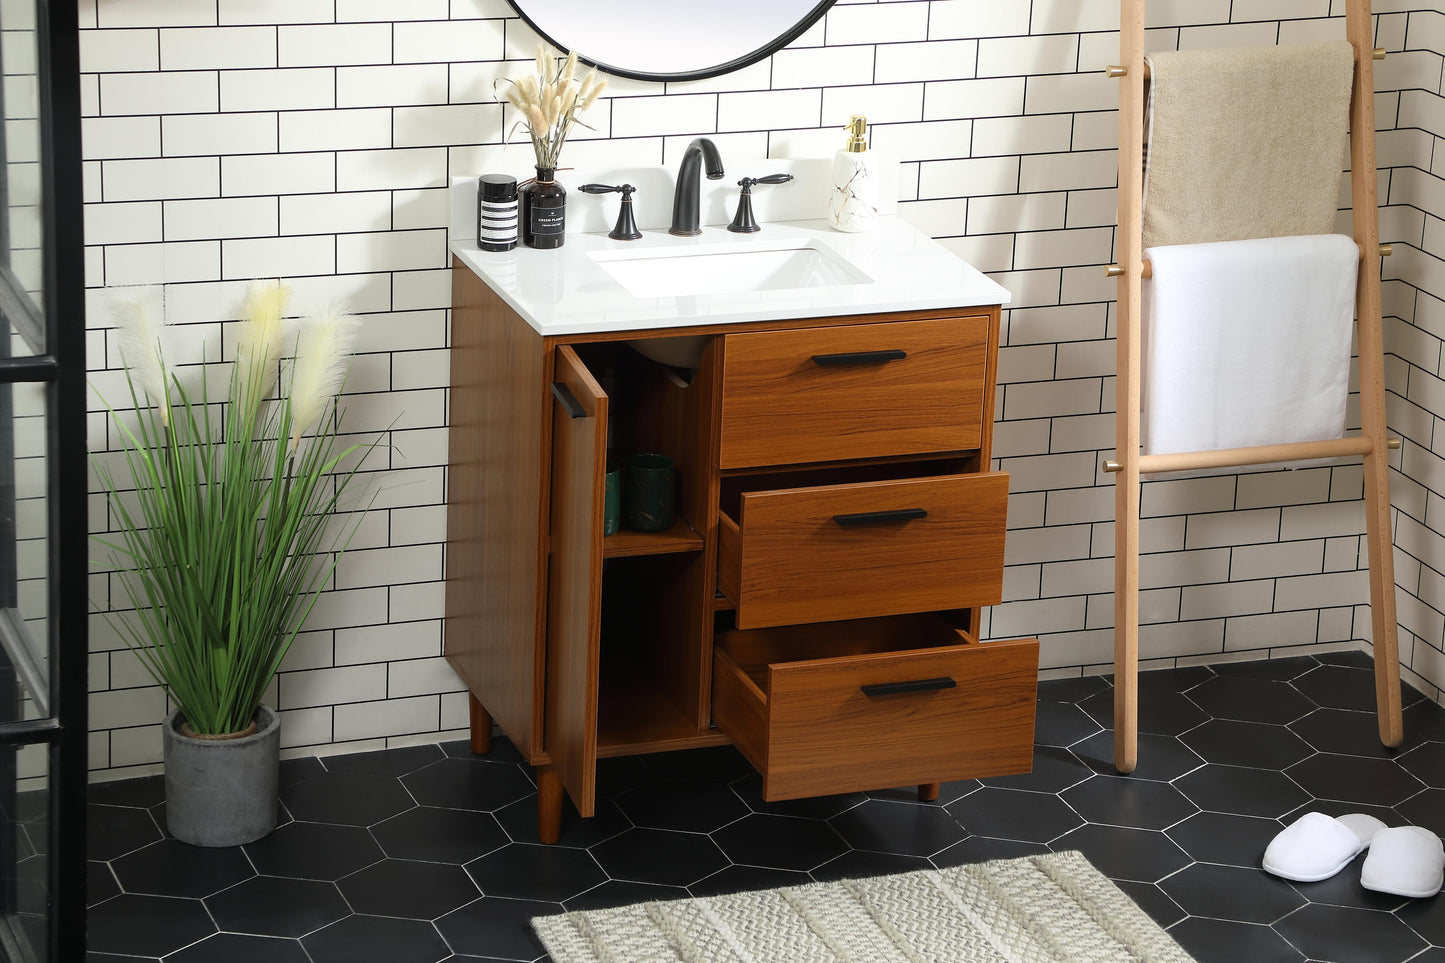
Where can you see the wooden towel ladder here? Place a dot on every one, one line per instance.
(1371, 444)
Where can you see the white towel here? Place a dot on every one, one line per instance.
(1247, 342)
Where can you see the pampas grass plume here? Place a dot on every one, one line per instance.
(260, 339)
(139, 338)
(323, 354)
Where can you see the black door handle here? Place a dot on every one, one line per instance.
(859, 357)
(880, 518)
(914, 685)
(568, 400)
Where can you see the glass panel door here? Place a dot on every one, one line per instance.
(43, 472)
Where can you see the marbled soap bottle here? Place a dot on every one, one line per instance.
(853, 205)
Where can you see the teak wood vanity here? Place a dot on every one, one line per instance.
(817, 601)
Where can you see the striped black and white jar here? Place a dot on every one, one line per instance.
(496, 212)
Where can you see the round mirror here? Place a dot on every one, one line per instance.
(670, 39)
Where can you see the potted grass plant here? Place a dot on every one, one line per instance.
(225, 542)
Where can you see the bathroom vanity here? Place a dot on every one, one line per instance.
(817, 601)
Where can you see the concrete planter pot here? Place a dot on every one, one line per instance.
(222, 792)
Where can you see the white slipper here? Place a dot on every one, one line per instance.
(1312, 848)
(1404, 861)
(1362, 825)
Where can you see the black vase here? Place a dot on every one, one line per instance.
(544, 211)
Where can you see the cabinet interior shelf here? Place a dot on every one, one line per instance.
(635, 716)
(679, 538)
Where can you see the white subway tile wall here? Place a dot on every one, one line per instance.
(312, 140)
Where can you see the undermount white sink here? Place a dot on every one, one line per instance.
(727, 269)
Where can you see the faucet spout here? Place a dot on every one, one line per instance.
(685, 198)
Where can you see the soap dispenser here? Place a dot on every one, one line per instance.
(853, 205)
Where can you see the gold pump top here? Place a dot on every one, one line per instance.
(857, 128)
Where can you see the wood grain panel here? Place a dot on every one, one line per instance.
(495, 502)
(574, 597)
(780, 407)
(797, 564)
(811, 730)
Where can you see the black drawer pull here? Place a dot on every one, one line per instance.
(569, 401)
(880, 518)
(859, 357)
(915, 685)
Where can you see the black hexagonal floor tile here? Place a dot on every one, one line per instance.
(520, 822)
(1226, 941)
(347, 799)
(1161, 758)
(496, 928)
(621, 893)
(544, 873)
(980, 849)
(1373, 782)
(502, 750)
(1241, 790)
(113, 831)
(1225, 838)
(402, 887)
(750, 790)
(440, 835)
(1426, 763)
(1234, 743)
(780, 842)
(314, 851)
(1014, 814)
(468, 784)
(1162, 712)
(299, 769)
(146, 925)
(384, 762)
(1075, 689)
(274, 906)
(886, 827)
(1342, 731)
(100, 882)
(1426, 917)
(377, 938)
(1340, 687)
(235, 948)
(1152, 900)
(1124, 801)
(738, 879)
(1347, 935)
(1232, 893)
(1054, 770)
(659, 856)
(1277, 670)
(1062, 724)
(860, 865)
(1182, 679)
(1251, 700)
(689, 805)
(947, 793)
(715, 764)
(1144, 855)
(1426, 809)
(171, 868)
(141, 793)
(1424, 721)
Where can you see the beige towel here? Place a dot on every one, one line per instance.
(1246, 142)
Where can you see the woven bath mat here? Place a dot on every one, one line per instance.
(1039, 909)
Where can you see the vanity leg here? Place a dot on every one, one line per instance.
(928, 792)
(549, 805)
(481, 721)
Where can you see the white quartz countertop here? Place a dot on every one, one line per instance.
(565, 291)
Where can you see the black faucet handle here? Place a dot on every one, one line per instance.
(626, 227)
(747, 182)
(624, 189)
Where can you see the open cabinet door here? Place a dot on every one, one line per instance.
(574, 590)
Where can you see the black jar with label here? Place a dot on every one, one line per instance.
(544, 210)
(496, 212)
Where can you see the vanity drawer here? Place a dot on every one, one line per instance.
(853, 391)
(875, 704)
(866, 549)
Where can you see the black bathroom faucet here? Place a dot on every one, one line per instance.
(685, 197)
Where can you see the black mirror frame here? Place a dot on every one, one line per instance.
(767, 50)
